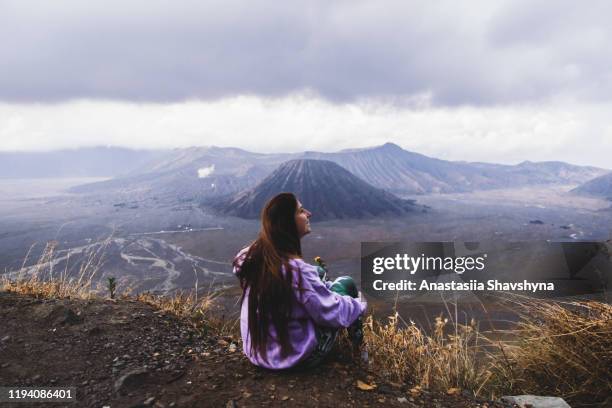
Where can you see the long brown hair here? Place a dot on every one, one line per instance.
(261, 272)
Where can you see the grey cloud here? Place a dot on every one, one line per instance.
(171, 51)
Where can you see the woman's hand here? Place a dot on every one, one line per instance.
(363, 301)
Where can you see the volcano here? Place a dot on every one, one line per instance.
(326, 189)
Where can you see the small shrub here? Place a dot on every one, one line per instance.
(112, 286)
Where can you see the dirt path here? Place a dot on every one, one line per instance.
(127, 354)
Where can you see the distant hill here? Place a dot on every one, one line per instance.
(326, 189)
(397, 170)
(84, 162)
(205, 172)
(534, 173)
(193, 173)
(226, 160)
(600, 187)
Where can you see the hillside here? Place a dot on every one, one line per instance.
(129, 354)
(600, 187)
(192, 173)
(326, 189)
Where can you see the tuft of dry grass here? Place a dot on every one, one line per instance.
(444, 359)
(43, 280)
(561, 348)
(199, 311)
(556, 348)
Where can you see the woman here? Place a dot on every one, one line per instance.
(289, 317)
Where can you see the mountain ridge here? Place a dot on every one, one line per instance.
(204, 172)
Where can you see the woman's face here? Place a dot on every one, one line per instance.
(302, 220)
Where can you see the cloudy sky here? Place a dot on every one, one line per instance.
(475, 80)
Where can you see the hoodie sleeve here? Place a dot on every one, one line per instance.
(325, 307)
(239, 259)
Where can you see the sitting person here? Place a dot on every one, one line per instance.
(290, 315)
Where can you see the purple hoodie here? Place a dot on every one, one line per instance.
(314, 305)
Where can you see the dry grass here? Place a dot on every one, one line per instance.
(444, 359)
(561, 348)
(43, 280)
(557, 348)
(199, 311)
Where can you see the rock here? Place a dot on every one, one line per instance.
(71, 318)
(402, 400)
(6, 338)
(385, 389)
(536, 401)
(149, 401)
(131, 379)
(118, 320)
(61, 315)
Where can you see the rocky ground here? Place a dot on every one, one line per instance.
(128, 354)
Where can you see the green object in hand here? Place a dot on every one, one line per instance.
(321, 268)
